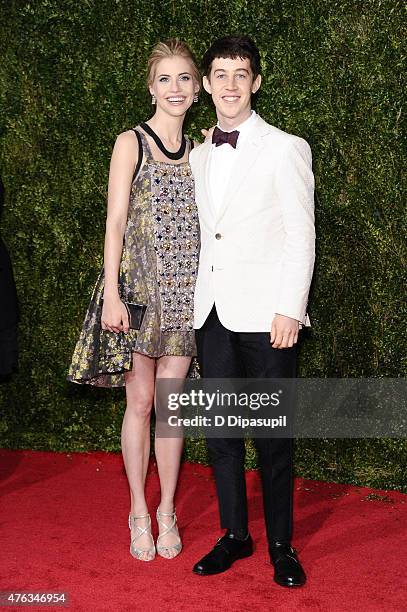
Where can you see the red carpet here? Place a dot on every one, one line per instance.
(64, 528)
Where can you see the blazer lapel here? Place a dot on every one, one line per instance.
(246, 159)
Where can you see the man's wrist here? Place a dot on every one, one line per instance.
(280, 314)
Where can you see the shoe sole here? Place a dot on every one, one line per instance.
(199, 573)
(290, 586)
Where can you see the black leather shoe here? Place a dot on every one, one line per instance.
(287, 568)
(226, 551)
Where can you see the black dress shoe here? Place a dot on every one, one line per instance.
(287, 568)
(225, 552)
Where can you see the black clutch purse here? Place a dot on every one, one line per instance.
(135, 312)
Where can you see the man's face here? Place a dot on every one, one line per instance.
(231, 85)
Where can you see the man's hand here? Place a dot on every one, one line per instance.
(284, 332)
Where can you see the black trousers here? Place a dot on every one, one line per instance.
(226, 354)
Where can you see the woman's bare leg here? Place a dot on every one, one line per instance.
(135, 437)
(168, 451)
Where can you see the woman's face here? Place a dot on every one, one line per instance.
(173, 85)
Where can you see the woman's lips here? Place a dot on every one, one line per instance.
(176, 100)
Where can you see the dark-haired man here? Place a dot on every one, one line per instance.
(254, 191)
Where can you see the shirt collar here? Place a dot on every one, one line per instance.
(243, 128)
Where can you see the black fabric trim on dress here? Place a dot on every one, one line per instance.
(177, 155)
(140, 155)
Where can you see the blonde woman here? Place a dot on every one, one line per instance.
(150, 259)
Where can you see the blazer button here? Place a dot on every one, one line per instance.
(218, 236)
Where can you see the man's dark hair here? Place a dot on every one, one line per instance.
(233, 47)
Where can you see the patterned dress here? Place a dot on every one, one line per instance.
(158, 268)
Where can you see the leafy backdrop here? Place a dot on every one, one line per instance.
(72, 77)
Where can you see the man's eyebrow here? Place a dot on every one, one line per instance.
(236, 70)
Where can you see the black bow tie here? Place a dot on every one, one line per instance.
(219, 137)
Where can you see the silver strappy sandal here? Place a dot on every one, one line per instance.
(136, 533)
(168, 529)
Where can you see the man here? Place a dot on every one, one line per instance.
(254, 191)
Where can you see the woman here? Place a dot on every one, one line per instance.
(151, 246)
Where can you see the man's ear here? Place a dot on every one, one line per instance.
(207, 85)
(256, 83)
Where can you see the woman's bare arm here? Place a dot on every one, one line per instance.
(124, 158)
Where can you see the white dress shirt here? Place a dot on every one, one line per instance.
(222, 159)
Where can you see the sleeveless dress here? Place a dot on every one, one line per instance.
(158, 268)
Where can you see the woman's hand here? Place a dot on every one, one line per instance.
(207, 133)
(114, 315)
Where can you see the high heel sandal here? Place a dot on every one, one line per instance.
(172, 528)
(139, 531)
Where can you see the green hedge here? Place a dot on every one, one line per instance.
(72, 78)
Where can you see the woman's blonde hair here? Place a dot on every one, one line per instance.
(171, 48)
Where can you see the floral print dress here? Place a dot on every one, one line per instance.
(158, 268)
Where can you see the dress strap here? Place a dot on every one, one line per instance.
(140, 155)
(170, 154)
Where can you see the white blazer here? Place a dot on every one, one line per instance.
(257, 251)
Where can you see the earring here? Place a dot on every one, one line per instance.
(196, 98)
(153, 99)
